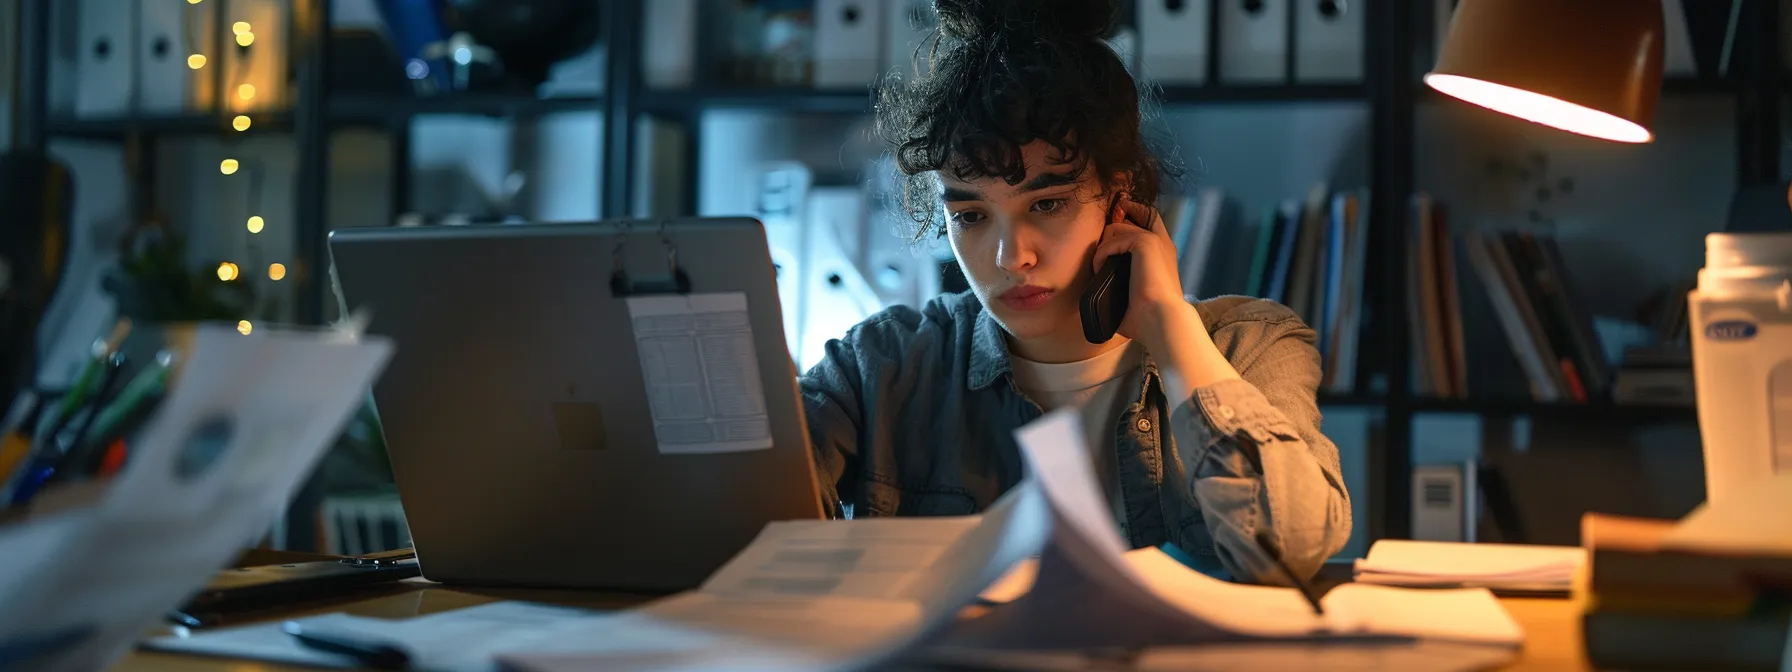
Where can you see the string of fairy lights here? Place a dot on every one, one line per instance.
(229, 271)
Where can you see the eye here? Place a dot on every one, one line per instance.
(1049, 205)
(967, 217)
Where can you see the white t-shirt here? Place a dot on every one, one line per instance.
(1101, 386)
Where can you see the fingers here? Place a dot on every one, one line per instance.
(1119, 240)
(1146, 216)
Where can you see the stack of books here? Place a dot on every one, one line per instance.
(1700, 592)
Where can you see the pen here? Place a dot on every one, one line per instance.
(1305, 588)
(133, 406)
(99, 356)
(103, 393)
(373, 654)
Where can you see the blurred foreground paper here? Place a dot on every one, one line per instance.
(241, 429)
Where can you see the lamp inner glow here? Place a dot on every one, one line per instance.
(1536, 107)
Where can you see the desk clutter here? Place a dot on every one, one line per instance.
(95, 556)
(854, 594)
(1042, 580)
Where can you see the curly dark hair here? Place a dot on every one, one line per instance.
(1005, 73)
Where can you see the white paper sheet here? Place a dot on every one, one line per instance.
(1756, 519)
(458, 640)
(701, 367)
(1087, 583)
(1408, 562)
(871, 611)
(271, 404)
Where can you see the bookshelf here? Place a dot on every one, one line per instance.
(1394, 61)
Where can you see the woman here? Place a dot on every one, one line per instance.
(1201, 416)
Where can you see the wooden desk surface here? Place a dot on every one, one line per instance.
(1552, 626)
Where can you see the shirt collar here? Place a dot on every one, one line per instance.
(989, 354)
(989, 351)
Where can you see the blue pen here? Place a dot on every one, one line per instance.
(34, 480)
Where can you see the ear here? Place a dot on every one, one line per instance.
(1121, 181)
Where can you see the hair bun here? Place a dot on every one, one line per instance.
(975, 20)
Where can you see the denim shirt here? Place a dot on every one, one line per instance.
(912, 413)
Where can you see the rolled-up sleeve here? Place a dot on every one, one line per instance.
(831, 407)
(1251, 456)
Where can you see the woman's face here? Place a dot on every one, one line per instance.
(1027, 249)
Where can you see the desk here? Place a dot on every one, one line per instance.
(1552, 626)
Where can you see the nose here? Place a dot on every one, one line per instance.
(1014, 246)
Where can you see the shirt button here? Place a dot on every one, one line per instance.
(1227, 412)
(1144, 424)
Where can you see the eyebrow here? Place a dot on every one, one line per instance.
(1039, 182)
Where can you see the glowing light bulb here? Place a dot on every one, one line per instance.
(241, 122)
(276, 272)
(244, 327)
(255, 224)
(246, 91)
(227, 166)
(239, 27)
(192, 2)
(227, 271)
(196, 61)
(245, 39)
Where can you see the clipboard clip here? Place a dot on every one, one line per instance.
(676, 282)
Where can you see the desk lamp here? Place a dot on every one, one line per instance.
(1592, 68)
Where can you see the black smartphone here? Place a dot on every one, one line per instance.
(1104, 300)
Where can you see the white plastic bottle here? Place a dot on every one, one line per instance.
(1741, 328)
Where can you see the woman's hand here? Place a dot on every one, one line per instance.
(1157, 314)
(1156, 281)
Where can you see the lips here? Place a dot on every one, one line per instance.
(1027, 297)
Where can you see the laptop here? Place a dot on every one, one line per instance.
(602, 405)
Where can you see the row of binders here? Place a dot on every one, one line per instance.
(154, 57)
(851, 43)
(1550, 332)
(1308, 254)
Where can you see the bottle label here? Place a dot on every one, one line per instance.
(1731, 330)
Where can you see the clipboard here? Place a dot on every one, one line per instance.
(622, 286)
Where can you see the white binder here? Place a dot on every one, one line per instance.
(1173, 45)
(168, 34)
(1253, 41)
(107, 35)
(848, 42)
(1328, 40)
(669, 54)
(782, 208)
(262, 64)
(1677, 54)
(836, 295)
(1125, 43)
(908, 25)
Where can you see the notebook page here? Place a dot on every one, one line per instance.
(1470, 615)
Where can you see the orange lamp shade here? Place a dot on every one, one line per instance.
(1586, 67)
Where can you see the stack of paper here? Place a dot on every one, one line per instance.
(857, 594)
(1090, 592)
(840, 595)
(1508, 568)
(245, 422)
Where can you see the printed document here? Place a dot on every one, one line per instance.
(814, 595)
(701, 367)
(245, 422)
